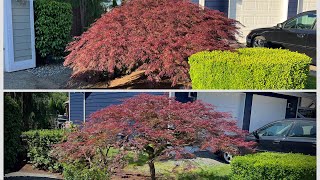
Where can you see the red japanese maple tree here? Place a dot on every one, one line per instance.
(158, 126)
(152, 35)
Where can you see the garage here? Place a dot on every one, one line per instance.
(307, 5)
(266, 109)
(232, 103)
(254, 14)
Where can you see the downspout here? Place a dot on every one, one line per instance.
(202, 3)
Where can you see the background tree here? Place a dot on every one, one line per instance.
(155, 36)
(156, 125)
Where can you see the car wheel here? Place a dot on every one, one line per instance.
(227, 157)
(259, 41)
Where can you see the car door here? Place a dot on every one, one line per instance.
(311, 44)
(272, 136)
(294, 32)
(301, 138)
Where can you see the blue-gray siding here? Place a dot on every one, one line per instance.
(292, 8)
(76, 107)
(221, 5)
(195, 1)
(96, 101)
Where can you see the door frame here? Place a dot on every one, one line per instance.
(10, 65)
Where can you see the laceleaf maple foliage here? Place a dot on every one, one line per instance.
(153, 35)
(159, 126)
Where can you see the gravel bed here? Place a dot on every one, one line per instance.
(47, 70)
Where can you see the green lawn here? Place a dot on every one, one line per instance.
(311, 82)
(184, 169)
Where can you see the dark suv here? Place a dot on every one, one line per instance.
(296, 34)
(289, 135)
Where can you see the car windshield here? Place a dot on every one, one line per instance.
(305, 21)
(276, 129)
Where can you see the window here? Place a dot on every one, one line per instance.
(276, 129)
(302, 22)
(304, 129)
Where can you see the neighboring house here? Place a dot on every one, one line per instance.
(251, 109)
(259, 13)
(19, 38)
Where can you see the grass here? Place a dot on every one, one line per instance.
(311, 82)
(183, 169)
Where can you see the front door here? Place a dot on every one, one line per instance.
(19, 35)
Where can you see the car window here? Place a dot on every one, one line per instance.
(276, 129)
(301, 22)
(304, 129)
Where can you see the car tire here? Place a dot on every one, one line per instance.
(226, 157)
(259, 41)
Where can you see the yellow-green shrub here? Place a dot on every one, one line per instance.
(275, 166)
(249, 68)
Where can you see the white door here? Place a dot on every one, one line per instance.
(19, 35)
(266, 109)
(232, 103)
(254, 14)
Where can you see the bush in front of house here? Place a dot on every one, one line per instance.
(39, 144)
(249, 68)
(270, 165)
(79, 171)
(156, 37)
(53, 22)
(12, 131)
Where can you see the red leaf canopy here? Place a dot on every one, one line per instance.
(153, 35)
(158, 121)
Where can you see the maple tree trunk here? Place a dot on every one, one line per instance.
(152, 170)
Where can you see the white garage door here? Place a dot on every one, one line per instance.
(309, 5)
(266, 109)
(232, 103)
(257, 13)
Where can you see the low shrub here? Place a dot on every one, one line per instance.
(79, 171)
(53, 21)
(221, 172)
(39, 144)
(249, 68)
(274, 166)
(12, 132)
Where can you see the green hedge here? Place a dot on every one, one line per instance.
(79, 171)
(274, 166)
(249, 68)
(53, 21)
(39, 144)
(12, 132)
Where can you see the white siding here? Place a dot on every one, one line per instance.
(257, 13)
(232, 103)
(21, 31)
(309, 5)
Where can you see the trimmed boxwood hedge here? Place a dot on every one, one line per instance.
(39, 144)
(249, 68)
(274, 166)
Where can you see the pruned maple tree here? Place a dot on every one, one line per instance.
(158, 126)
(152, 35)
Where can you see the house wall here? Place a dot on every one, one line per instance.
(21, 31)
(308, 5)
(76, 107)
(96, 101)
